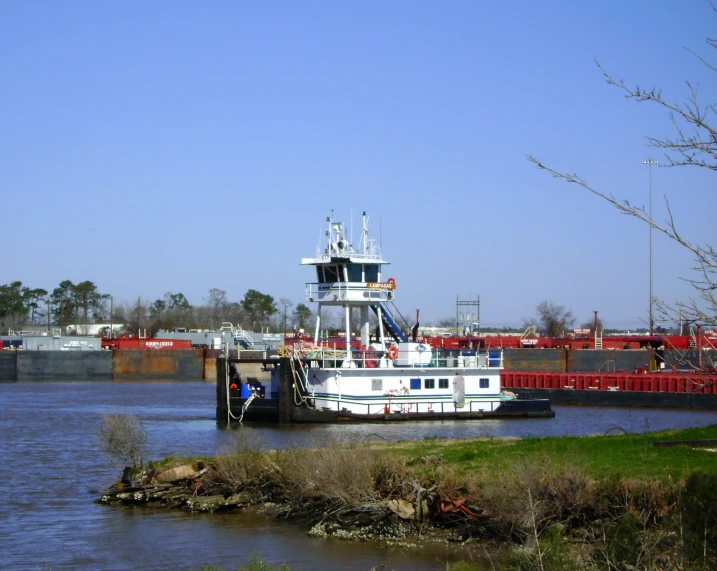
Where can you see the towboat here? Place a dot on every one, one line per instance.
(382, 372)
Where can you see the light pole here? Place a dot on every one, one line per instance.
(649, 163)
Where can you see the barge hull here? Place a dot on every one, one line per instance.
(696, 401)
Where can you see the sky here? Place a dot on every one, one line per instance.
(154, 147)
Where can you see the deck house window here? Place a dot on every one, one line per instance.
(371, 272)
(484, 383)
(331, 274)
(354, 271)
(429, 383)
(442, 383)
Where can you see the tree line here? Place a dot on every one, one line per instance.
(82, 304)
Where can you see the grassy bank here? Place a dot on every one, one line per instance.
(627, 455)
(602, 502)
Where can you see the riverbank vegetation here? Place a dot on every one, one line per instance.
(618, 501)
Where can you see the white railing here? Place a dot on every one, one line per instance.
(369, 358)
(252, 353)
(240, 335)
(346, 291)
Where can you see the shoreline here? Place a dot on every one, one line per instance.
(507, 495)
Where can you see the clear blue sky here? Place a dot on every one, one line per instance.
(181, 146)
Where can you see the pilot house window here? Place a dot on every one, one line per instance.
(330, 274)
(354, 271)
(371, 271)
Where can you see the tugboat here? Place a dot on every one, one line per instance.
(385, 374)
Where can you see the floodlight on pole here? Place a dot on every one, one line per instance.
(649, 163)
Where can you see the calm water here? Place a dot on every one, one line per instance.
(51, 470)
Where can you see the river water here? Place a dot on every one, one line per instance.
(51, 470)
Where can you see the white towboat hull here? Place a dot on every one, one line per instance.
(367, 391)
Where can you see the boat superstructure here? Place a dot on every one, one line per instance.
(351, 279)
(381, 371)
(389, 371)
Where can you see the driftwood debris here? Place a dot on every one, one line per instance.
(407, 511)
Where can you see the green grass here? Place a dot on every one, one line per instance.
(626, 455)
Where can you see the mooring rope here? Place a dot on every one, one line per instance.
(246, 405)
(230, 416)
(297, 380)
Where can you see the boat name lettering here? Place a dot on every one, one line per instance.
(160, 343)
(381, 285)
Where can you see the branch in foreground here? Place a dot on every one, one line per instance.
(692, 147)
(706, 256)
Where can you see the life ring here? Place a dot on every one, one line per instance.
(392, 352)
(391, 283)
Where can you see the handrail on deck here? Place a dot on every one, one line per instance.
(371, 358)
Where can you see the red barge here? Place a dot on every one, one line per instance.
(144, 343)
(672, 382)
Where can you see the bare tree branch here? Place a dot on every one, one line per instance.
(694, 144)
(695, 147)
(706, 256)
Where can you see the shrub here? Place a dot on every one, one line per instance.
(340, 472)
(533, 496)
(123, 438)
(552, 552)
(622, 543)
(242, 461)
(699, 516)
